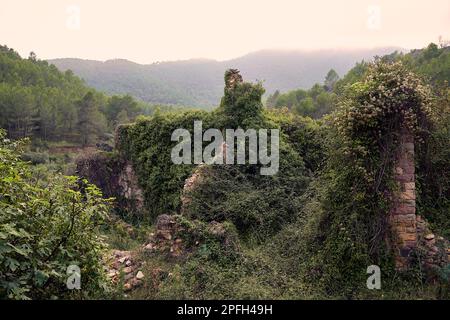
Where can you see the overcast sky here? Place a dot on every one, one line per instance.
(156, 30)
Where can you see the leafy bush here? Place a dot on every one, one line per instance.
(44, 228)
(35, 157)
(433, 162)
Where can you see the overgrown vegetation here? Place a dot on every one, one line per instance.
(312, 234)
(46, 225)
(309, 231)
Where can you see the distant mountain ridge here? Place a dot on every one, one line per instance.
(199, 82)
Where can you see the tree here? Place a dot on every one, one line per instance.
(122, 117)
(272, 99)
(32, 56)
(117, 104)
(90, 122)
(331, 79)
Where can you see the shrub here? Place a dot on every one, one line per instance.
(35, 157)
(44, 229)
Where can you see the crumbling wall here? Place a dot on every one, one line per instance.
(115, 177)
(411, 232)
(403, 211)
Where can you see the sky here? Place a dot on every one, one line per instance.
(147, 31)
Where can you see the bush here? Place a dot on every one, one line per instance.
(35, 157)
(46, 228)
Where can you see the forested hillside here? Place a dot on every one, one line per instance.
(198, 82)
(37, 100)
(432, 62)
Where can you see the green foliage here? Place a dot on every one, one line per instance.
(257, 205)
(305, 135)
(433, 179)
(388, 98)
(241, 103)
(431, 62)
(313, 103)
(343, 225)
(44, 228)
(36, 157)
(120, 110)
(90, 120)
(39, 101)
(331, 79)
(148, 145)
(35, 98)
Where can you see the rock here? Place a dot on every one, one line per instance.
(128, 276)
(164, 234)
(128, 263)
(140, 275)
(122, 260)
(149, 247)
(135, 283)
(129, 187)
(216, 229)
(119, 253)
(127, 270)
(429, 237)
(163, 222)
(127, 286)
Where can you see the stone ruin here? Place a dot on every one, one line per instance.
(116, 178)
(232, 77)
(410, 230)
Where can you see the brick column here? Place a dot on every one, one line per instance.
(403, 211)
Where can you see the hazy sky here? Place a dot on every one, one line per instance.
(154, 30)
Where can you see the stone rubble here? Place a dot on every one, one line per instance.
(123, 263)
(165, 239)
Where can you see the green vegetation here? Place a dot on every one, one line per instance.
(432, 62)
(39, 101)
(313, 103)
(310, 231)
(198, 82)
(46, 225)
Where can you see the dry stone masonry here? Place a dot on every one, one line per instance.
(411, 231)
(403, 212)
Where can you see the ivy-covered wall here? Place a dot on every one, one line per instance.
(236, 193)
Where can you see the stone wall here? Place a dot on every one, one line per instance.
(403, 212)
(115, 177)
(411, 232)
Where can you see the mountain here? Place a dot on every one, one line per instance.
(199, 82)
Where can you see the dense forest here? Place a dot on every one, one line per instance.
(39, 101)
(136, 225)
